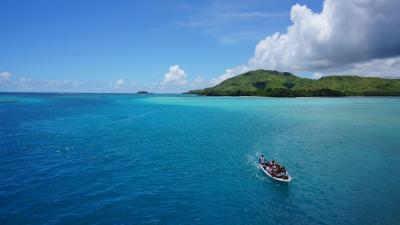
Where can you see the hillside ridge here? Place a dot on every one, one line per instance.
(284, 84)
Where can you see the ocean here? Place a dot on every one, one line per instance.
(180, 159)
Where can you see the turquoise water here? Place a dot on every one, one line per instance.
(126, 159)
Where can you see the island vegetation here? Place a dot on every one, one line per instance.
(277, 84)
(143, 93)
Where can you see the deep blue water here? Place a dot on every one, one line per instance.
(126, 159)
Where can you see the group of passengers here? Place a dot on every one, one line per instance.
(273, 168)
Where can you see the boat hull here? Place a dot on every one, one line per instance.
(275, 178)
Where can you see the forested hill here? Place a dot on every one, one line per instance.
(277, 84)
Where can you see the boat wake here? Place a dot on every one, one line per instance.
(253, 160)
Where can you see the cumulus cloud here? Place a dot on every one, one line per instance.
(348, 36)
(118, 84)
(317, 75)
(386, 67)
(175, 77)
(4, 76)
(230, 73)
(177, 81)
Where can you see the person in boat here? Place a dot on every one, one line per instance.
(261, 160)
(283, 173)
(278, 168)
(274, 168)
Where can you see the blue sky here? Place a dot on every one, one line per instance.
(112, 46)
(98, 42)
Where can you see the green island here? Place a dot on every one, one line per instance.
(143, 93)
(278, 84)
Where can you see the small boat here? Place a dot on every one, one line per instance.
(267, 170)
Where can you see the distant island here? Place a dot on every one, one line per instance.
(8, 101)
(143, 93)
(277, 84)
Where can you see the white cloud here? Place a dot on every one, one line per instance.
(4, 76)
(174, 77)
(29, 84)
(10, 82)
(25, 83)
(230, 73)
(387, 67)
(348, 36)
(199, 81)
(317, 75)
(231, 22)
(119, 84)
